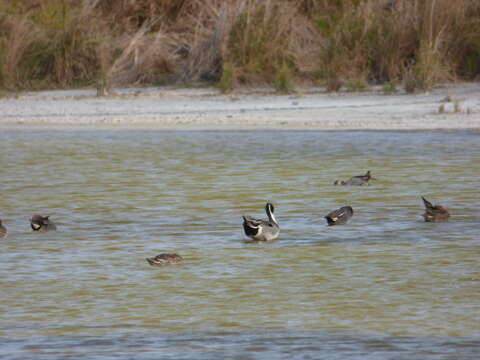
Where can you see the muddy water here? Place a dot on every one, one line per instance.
(385, 285)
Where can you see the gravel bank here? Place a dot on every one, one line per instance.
(449, 107)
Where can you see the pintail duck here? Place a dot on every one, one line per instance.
(262, 230)
(339, 216)
(3, 230)
(42, 223)
(357, 180)
(435, 213)
(165, 259)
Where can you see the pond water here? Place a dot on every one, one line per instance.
(384, 286)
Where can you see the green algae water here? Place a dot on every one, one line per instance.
(384, 286)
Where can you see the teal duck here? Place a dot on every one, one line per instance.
(42, 223)
(358, 180)
(165, 259)
(339, 216)
(259, 229)
(434, 213)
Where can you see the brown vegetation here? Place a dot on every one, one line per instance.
(352, 43)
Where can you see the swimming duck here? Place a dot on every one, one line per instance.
(3, 230)
(435, 213)
(356, 180)
(165, 259)
(42, 223)
(339, 216)
(262, 230)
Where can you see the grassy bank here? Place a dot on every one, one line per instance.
(283, 43)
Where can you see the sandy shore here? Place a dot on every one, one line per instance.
(454, 106)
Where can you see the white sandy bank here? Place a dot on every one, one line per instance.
(169, 108)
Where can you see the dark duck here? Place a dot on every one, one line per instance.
(358, 180)
(339, 216)
(3, 230)
(259, 229)
(42, 223)
(434, 213)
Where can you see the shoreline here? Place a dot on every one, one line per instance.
(452, 106)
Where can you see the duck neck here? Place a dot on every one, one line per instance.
(271, 217)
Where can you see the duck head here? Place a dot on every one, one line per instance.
(41, 223)
(368, 176)
(269, 209)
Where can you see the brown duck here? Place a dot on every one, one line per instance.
(435, 213)
(165, 259)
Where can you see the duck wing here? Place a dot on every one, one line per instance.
(252, 225)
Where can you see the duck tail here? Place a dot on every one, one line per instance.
(247, 220)
(427, 203)
(250, 227)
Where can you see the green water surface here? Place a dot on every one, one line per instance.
(119, 197)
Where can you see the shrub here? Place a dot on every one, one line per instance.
(227, 80)
(283, 81)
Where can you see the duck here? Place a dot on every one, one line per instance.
(434, 213)
(339, 216)
(3, 230)
(42, 223)
(358, 180)
(259, 229)
(165, 259)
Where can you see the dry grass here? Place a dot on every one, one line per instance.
(267, 35)
(19, 35)
(352, 43)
